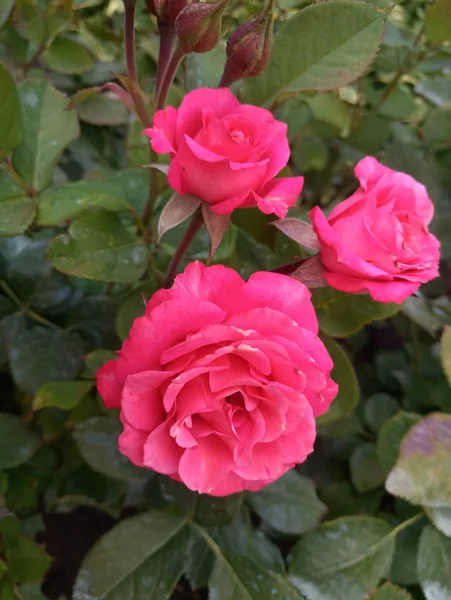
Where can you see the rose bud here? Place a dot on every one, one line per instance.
(198, 26)
(249, 47)
(166, 10)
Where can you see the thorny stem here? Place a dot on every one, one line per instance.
(193, 228)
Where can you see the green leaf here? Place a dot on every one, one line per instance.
(5, 9)
(438, 22)
(333, 42)
(96, 439)
(366, 470)
(237, 577)
(434, 565)
(342, 559)
(437, 91)
(445, 352)
(18, 443)
(95, 360)
(103, 109)
(41, 355)
(437, 127)
(422, 473)
(340, 314)
(27, 561)
(205, 70)
(133, 307)
(64, 55)
(31, 591)
(65, 395)
(10, 117)
(441, 517)
(142, 557)
(99, 247)
(404, 566)
(16, 215)
(390, 592)
(391, 435)
(348, 388)
(378, 409)
(48, 128)
(66, 202)
(289, 505)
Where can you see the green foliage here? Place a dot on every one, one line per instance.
(368, 515)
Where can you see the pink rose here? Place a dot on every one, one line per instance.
(226, 153)
(378, 239)
(220, 382)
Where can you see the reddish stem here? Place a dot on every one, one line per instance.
(185, 242)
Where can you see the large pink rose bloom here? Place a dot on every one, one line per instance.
(378, 239)
(220, 382)
(226, 153)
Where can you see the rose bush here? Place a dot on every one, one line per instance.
(378, 239)
(226, 153)
(220, 382)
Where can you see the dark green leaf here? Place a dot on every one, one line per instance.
(378, 409)
(48, 128)
(10, 117)
(366, 470)
(333, 43)
(390, 592)
(103, 109)
(340, 314)
(289, 505)
(65, 395)
(16, 214)
(41, 355)
(404, 567)
(422, 473)
(100, 247)
(391, 435)
(438, 23)
(434, 565)
(133, 307)
(17, 441)
(214, 512)
(141, 558)
(343, 559)
(97, 441)
(27, 561)
(57, 205)
(5, 9)
(348, 388)
(64, 55)
(237, 577)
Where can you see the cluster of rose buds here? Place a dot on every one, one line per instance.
(198, 28)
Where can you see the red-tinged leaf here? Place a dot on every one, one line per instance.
(310, 273)
(299, 231)
(216, 225)
(120, 93)
(178, 209)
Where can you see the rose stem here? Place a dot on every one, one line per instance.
(168, 78)
(167, 37)
(185, 242)
(129, 35)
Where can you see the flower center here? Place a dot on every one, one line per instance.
(236, 399)
(240, 137)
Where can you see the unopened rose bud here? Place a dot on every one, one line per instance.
(198, 26)
(166, 10)
(249, 47)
